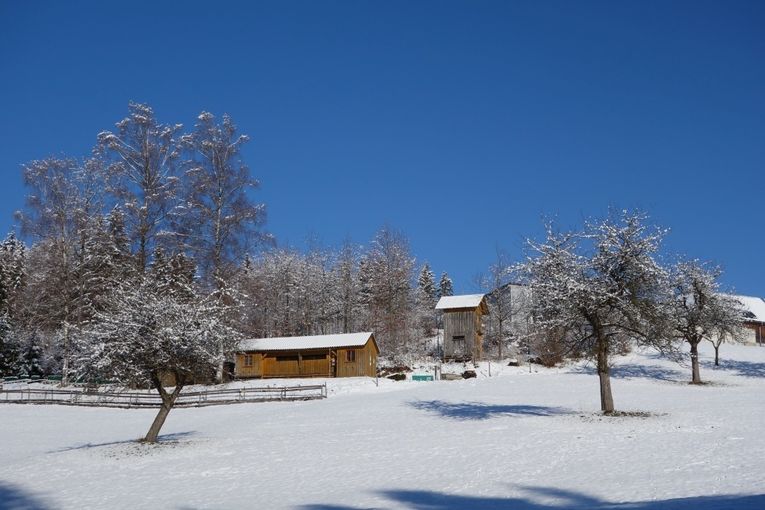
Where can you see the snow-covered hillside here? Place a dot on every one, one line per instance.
(512, 441)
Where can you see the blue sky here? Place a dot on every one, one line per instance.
(460, 123)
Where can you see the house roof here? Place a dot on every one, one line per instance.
(754, 307)
(464, 301)
(294, 343)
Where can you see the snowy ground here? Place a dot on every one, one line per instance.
(512, 441)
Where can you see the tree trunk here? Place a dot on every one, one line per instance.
(696, 378)
(501, 339)
(65, 367)
(606, 398)
(717, 355)
(168, 400)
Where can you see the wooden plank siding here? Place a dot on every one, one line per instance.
(759, 332)
(327, 362)
(364, 361)
(468, 324)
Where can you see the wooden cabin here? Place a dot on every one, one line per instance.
(340, 355)
(463, 326)
(753, 327)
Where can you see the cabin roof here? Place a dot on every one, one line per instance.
(754, 307)
(463, 301)
(293, 343)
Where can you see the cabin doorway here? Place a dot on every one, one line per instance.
(333, 363)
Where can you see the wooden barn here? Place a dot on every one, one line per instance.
(753, 327)
(463, 325)
(340, 355)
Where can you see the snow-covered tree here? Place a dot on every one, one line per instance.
(426, 283)
(445, 286)
(386, 276)
(29, 364)
(148, 334)
(60, 204)
(12, 267)
(142, 156)
(698, 310)
(218, 220)
(426, 298)
(346, 271)
(596, 290)
(496, 284)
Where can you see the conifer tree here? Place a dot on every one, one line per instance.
(445, 286)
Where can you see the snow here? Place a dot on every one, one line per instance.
(516, 440)
(463, 301)
(753, 305)
(305, 342)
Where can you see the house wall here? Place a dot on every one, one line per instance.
(310, 363)
(365, 363)
(256, 370)
(750, 333)
(753, 333)
(467, 323)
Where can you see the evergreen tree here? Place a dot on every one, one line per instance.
(445, 286)
(426, 283)
(12, 257)
(29, 363)
(426, 300)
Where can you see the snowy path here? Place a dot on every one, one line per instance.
(517, 441)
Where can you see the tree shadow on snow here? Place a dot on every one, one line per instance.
(426, 500)
(164, 438)
(633, 371)
(14, 498)
(741, 368)
(482, 411)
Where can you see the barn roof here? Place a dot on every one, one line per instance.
(463, 301)
(754, 307)
(294, 343)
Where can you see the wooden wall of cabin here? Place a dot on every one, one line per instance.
(315, 363)
(754, 333)
(296, 364)
(364, 361)
(254, 370)
(467, 323)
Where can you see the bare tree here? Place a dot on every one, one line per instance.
(60, 205)
(698, 310)
(220, 222)
(142, 156)
(597, 289)
(500, 295)
(346, 275)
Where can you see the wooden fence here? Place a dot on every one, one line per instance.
(138, 399)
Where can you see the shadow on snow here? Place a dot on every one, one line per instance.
(633, 371)
(14, 498)
(164, 438)
(426, 500)
(482, 411)
(740, 368)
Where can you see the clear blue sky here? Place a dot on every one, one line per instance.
(459, 123)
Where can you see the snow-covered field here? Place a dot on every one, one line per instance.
(512, 441)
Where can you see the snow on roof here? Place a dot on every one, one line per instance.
(754, 307)
(289, 343)
(464, 301)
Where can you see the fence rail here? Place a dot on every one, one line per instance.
(136, 399)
